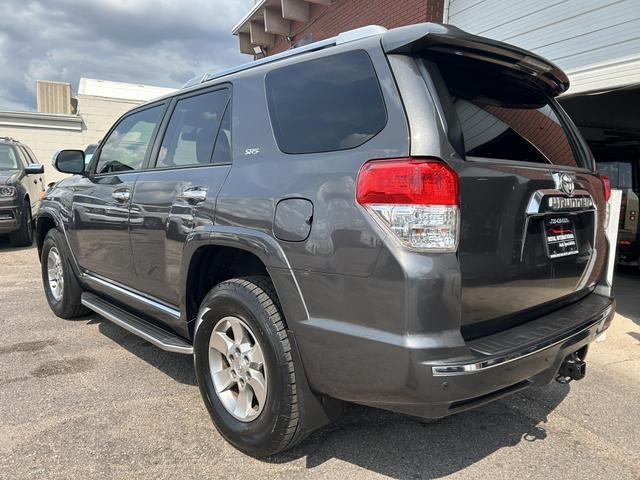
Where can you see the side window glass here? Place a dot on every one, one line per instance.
(327, 104)
(126, 147)
(222, 150)
(32, 157)
(26, 158)
(192, 130)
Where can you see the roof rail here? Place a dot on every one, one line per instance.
(9, 139)
(344, 37)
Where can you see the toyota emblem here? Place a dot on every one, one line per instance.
(567, 185)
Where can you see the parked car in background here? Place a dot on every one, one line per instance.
(404, 219)
(623, 171)
(21, 184)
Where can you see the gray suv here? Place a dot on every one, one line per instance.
(404, 219)
(21, 185)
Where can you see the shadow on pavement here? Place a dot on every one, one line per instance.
(402, 447)
(176, 365)
(391, 444)
(5, 245)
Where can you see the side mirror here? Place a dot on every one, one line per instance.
(69, 161)
(34, 169)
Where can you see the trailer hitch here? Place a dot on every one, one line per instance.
(572, 368)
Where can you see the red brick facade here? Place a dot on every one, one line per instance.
(341, 15)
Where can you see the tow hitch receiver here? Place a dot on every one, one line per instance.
(572, 368)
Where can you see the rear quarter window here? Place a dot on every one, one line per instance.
(328, 104)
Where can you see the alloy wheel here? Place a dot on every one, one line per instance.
(237, 369)
(55, 274)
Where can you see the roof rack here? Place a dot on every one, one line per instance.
(9, 139)
(345, 37)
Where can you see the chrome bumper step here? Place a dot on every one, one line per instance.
(152, 333)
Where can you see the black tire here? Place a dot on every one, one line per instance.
(68, 306)
(253, 300)
(23, 237)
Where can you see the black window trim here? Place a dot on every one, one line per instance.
(324, 56)
(96, 156)
(152, 161)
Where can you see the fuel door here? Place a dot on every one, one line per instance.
(293, 219)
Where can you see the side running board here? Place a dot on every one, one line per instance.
(157, 336)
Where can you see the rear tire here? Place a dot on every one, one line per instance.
(245, 313)
(60, 284)
(23, 237)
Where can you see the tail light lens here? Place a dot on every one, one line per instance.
(415, 199)
(606, 186)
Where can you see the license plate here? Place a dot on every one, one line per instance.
(561, 237)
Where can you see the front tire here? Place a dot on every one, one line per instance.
(23, 237)
(244, 366)
(60, 284)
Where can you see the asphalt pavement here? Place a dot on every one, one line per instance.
(85, 399)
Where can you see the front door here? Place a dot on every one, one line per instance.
(99, 224)
(177, 193)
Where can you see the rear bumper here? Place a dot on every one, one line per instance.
(436, 376)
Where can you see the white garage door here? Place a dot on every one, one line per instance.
(597, 42)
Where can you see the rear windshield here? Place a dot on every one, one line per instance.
(500, 114)
(520, 134)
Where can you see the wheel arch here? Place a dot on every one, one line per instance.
(45, 221)
(227, 252)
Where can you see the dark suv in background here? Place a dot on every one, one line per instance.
(404, 219)
(623, 172)
(21, 183)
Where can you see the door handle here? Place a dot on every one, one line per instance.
(193, 195)
(121, 195)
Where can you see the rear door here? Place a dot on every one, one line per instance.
(531, 206)
(177, 193)
(528, 211)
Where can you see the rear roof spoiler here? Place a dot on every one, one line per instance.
(435, 37)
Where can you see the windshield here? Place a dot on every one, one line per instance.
(8, 159)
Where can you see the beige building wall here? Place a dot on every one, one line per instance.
(45, 133)
(99, 104)
(100, 113)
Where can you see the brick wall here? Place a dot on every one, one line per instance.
(341, 15)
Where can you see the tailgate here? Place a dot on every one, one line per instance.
(532, 208)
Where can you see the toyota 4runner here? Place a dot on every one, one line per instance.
(405, 219)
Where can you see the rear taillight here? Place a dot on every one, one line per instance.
(415, 198)
(606, 186)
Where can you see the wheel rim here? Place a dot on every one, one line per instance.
(55, 274)
(237, 368)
